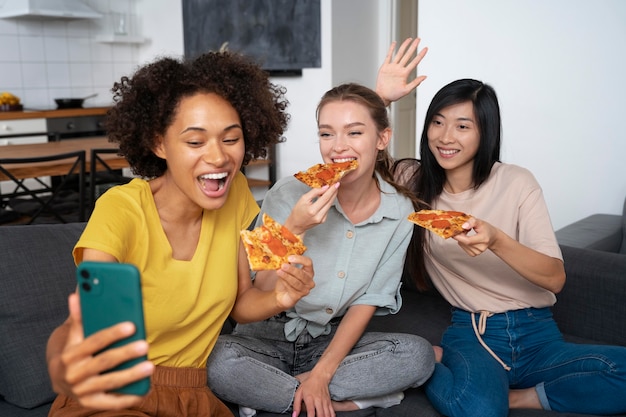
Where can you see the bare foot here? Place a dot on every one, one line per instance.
(524, 398)
(438, 353)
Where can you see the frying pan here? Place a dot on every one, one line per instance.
(71, 103)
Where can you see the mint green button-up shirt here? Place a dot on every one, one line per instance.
(354, 263)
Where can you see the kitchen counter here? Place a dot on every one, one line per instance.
(51, 114)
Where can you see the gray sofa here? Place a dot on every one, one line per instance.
(601, 232)
(37, 274)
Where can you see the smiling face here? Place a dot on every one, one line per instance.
(347, 131)
(204, 148)
(454, 137)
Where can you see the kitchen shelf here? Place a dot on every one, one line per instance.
(253, 182)
(271, 170)
(120, 39)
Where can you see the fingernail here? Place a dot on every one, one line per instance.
(141, 346)
(336, 185)
(147, 367)
(127, 327)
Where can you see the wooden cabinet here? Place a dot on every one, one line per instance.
(23, 131)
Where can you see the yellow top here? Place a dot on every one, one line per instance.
(185, 302)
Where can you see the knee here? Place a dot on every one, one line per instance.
(421, 358)
(468, 391)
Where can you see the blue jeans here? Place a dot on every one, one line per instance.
(256, 366)
(568, 377)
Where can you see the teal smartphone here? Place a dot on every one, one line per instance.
(110, 293)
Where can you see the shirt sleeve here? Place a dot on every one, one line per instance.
(112, 227)
(535, 226)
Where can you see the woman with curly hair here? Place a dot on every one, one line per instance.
(186, 127)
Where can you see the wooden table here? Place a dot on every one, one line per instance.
(41, 169)
(60, 167)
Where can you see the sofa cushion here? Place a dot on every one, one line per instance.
(598, 231)
(595, 280)
(423, 313)
(7, 409)
(37, 270)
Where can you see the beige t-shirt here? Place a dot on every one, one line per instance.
(511, 200)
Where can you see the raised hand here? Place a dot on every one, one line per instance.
(393, 82)
(76, 368)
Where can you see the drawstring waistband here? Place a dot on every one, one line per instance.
(482, 326)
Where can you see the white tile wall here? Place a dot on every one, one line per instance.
(44, 59)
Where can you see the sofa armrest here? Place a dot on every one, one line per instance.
(598, 231)
(592, 304)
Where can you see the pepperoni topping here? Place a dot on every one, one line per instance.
(441, 224)
(426, 216)
(277, 247)
(342, 165)
(286, 233)
(326, 174)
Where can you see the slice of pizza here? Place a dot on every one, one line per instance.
(269, 245)
(320, 175)
(444, 223)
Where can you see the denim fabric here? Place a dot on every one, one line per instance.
(255, 366)
(568, 377)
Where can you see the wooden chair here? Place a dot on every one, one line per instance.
(43, 194)
(109, 176)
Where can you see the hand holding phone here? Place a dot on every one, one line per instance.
(110, 293)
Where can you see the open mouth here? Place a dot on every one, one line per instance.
(214, 181)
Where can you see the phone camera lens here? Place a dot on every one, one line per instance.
(84, 273)
(86, 286)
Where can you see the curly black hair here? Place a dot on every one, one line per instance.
(146, 104)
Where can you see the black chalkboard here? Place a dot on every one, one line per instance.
(281, 35)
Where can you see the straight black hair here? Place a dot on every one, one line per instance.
(427, 179)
